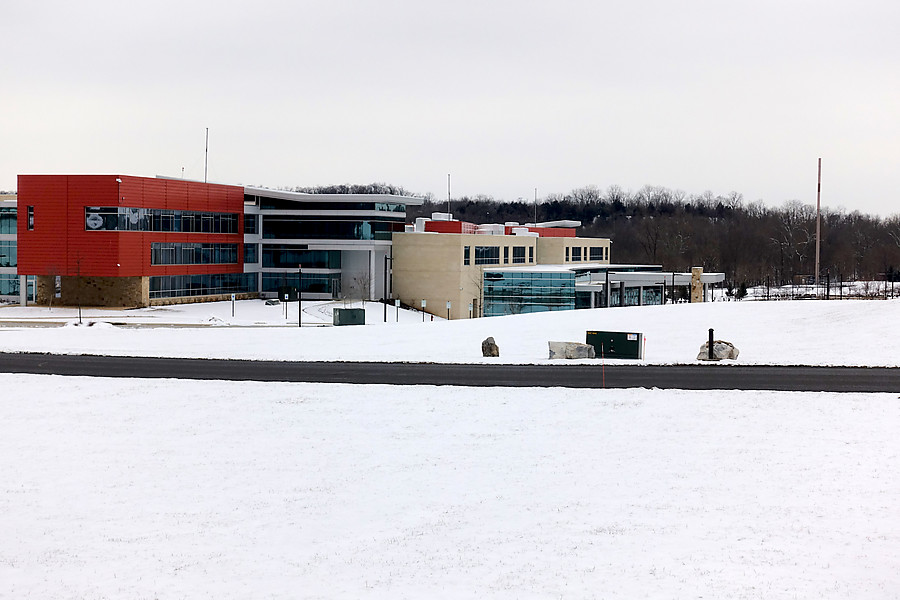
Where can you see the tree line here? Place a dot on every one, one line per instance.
(750, 242)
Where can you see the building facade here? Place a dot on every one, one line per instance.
(119, 240)
(337, 243)
(443, 263)
(13, 287)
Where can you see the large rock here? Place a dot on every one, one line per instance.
(490, 348)
(571, 350)
(720, 350)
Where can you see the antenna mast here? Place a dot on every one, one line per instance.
(206, 157)
(818, 222)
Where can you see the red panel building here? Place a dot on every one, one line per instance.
(124, 240)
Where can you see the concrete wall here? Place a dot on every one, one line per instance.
(356, 280)
(430, 266)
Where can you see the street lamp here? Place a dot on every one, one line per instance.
(299, 305)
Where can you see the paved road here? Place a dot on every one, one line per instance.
(696, 377)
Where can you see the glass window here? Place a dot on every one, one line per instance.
(167, 253)
(518, 254)
(596, 253)
(251, 224)
(531, 254)
(487, 255)
(251, 253)
(30, 221)
(167, 286)
(506, 254)
(9, 285)
(567, 254)
(466, 254)
(288, 257)
(7, 219)
(8, 254)
(312, 283)
(123, 218)
(296, 227)
(576, 253)
(516, 293)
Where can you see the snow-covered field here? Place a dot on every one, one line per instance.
(163, 489)
(158, 489)
(850, 332)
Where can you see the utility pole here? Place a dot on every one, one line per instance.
(448, 193)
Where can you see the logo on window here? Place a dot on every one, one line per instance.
(94, 221)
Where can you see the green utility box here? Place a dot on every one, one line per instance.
(349, 316)
(616, 344)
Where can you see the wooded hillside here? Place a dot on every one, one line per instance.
(748, 242)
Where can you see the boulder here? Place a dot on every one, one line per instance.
(720, 350)
(571, 350)
(490, 348)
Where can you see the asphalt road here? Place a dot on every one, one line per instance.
(692, 377)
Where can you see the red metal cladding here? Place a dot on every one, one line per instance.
(60, 244)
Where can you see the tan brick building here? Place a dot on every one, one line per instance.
(439, 263)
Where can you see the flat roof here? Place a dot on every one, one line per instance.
(529, 269)
(305, 197)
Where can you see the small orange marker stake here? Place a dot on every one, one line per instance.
(602, 366)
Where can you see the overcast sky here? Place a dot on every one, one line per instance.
(506, 96)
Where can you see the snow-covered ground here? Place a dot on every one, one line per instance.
(161, 489)
(117, 488)
(850, 332)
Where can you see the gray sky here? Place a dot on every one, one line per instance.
(504, 95)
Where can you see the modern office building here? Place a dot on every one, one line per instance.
(443, 262)
(339, 240)
(120, 240)
(460, 270)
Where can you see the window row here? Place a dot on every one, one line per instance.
(281, 204)
(592, 253)
(290, 257)
(312, 283)
(490, 255)
(123, 218)
(292, 227)
(170, 286)
(518, 293)
(164, 253)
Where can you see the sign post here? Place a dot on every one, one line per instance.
(423, 311)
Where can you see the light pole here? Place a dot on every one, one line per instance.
(299, 305)
(78, 272)
(385, 299)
